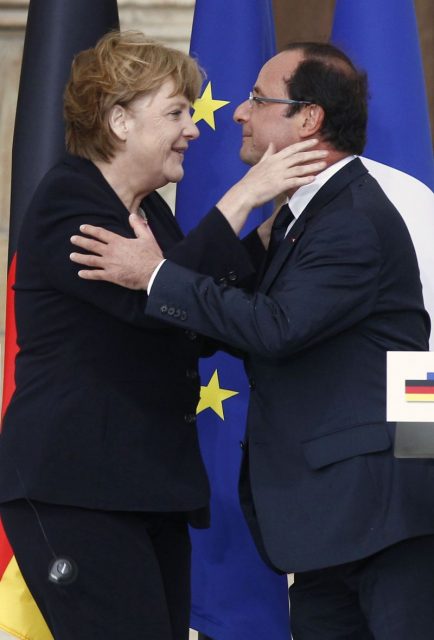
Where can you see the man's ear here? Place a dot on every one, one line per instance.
(312, 120)
(118, 122)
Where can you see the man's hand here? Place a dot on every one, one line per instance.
(128, 262)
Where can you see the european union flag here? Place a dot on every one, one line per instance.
(381, 37)
(234, 594)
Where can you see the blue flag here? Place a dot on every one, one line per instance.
(381, 37)
(234, 595)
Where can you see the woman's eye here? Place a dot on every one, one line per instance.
(175, 113)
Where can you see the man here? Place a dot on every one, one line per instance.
(321, 490)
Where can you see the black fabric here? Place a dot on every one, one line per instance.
(387, 596)
(278, 231)
(103, 415)
(103, 418)
(342, 289)
(55, 33)
(133, 570)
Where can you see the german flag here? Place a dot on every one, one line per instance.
(420, 390)
(56, 31)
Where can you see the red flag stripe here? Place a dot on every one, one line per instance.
(11, 350)
(11, 347)
(419, 389)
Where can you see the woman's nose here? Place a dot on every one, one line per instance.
(191, 131)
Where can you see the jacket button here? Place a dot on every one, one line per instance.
(252, 383)
(190, 418)
(242, 445)
(163, 308)
(191, 335)
(223, 280)
(192, 374)
(232, 276)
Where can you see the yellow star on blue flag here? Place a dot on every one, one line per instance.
(205, 106)
(212, 396)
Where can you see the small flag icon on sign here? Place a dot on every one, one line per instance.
(420, 390)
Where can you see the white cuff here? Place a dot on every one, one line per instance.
(154, 274)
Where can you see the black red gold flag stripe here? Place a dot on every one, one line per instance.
(56, 30)
(420, 390)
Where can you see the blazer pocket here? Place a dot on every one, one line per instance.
(347, 443)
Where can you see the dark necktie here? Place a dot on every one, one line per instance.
(278, 230)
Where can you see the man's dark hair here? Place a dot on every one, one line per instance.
(327, 77)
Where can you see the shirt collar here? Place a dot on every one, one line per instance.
(301, 198)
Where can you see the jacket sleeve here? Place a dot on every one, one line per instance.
(255, 249)
(63, 204)
(329, 287)
(58, 209)
(212, 248)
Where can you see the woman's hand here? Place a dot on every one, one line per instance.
(275, 174)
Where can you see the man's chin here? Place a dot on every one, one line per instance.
(177, 175)
(247, 157)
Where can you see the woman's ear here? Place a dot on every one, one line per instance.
(312, 120)
(118, 122)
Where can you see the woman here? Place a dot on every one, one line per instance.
(99, 459)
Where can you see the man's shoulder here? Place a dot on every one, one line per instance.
(371, 201)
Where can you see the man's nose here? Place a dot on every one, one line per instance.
(242, 112)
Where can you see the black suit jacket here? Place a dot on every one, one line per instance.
(103, 415)
(342, 290)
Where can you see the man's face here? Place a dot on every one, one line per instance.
(267, 122)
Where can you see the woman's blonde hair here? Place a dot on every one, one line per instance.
(120, 68)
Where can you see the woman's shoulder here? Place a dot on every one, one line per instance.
(72, 176)
(73, 184)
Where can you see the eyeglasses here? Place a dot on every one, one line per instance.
(261, 99)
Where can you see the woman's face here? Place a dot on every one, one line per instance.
(159, 129)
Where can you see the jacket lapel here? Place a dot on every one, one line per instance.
(350, 172)
(161, 220)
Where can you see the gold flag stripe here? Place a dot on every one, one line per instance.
(419, 397)
(24, 620)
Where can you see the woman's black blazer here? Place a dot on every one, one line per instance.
(103, 415)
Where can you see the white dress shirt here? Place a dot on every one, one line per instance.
(301, 198)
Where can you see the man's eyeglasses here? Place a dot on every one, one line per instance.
(261, 99)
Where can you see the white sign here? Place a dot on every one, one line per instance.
(410, 386)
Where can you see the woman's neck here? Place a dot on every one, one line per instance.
(122, 182)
